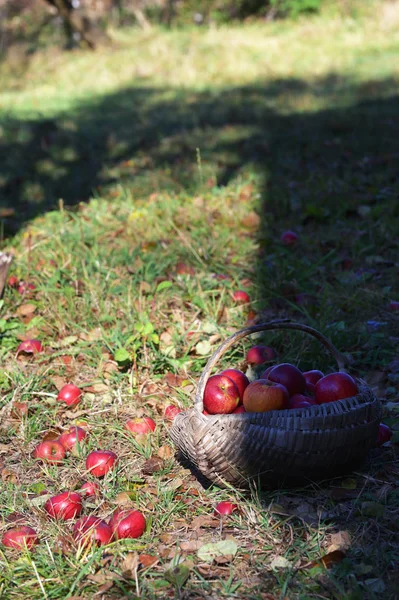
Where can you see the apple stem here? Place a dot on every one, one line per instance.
(238, 335)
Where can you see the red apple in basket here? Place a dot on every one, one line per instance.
(221, 395)
(239, 378)
(299, 401)
(335, 386)
(313, 376)
(20, 538)
(263, 395)
(290, 377)
(239, 410)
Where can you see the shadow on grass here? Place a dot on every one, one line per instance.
(147, 138)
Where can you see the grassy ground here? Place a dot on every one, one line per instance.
(199, 147)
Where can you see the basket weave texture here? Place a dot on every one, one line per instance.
(278, 446)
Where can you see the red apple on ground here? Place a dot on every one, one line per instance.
(289, 238)
(141, 425)
(335, 386)
(221, 395)
(239, 378)
(171, 411)
(257, 355)
(220, 276)
(30, 347)
(290, 377)
(20, 537)
(92, 530)
(70, 394)
(225, 508)
(393, 305)
(127, 524)
(299, 401)
(73, 437)
(99, 462)
(239, 410)
(313, 376)
(263, 395)
(90, 488)
(13, 281)
(184, 269)
(24, 287)
(241, 297)
(384, 434)
(65, 506)
(50, 451)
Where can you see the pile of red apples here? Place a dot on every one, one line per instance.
(280, 387)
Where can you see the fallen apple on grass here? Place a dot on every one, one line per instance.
(100, 462)
(221, 395)
(257, 355)
(50, 451)
(25, 288)
(141, 425)
(90, 488)
(335, 386)
(64, 506)
(289, 238)
(92, 530)
(171, 411)
(73, 437)
(225, 508)
(241, 297)
(30, 347)
(70, 394)
(263, 395)
(290, 377)
(13, 281)
(20, 538)
(127, 524)
(384, 434)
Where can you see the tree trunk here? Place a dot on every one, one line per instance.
(76, 22)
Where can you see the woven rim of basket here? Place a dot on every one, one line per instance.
(242, 333)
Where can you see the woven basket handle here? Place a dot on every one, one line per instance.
(238, 335)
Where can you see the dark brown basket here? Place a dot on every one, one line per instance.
(280, 446)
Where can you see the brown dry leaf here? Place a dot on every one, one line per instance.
(58, 381)
(328, 560)
(340, 540)
(17, 518)
(109, 368)
(172, 485)
(204, 521)
(147, 560)
(152, 465)
(51, 435)
(130, 565)
(165, 452)
(26, 310)
(91, 336)
(191, 545)
(167, 538)
(174, 380)
(144, 287)
(97, 388)
(19, 410)
(123, 499)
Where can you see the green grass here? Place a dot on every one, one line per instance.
(200, 147)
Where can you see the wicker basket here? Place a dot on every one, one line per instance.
(280, 446)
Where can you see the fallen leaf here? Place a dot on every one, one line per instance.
(204, 521)
(191, 545)
(172, 485)
(123, 499)
(147, 560)
(280, 562)
(329, 560)
(165, 452)
(152, 465)
(251, 220)
(179, 574)
(211, 551)
(97, 388)
(25, 310)
(130, 565)
(372, 509)
(203, 348)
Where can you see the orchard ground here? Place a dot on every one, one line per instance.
(199, 147)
